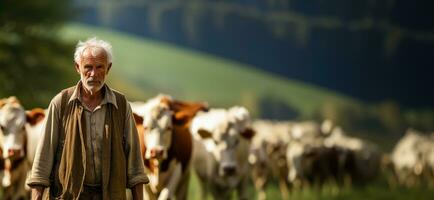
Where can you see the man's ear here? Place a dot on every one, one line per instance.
(204, 134)
(109, 67)
(77, 67)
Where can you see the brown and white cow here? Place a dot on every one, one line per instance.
(166, 144)
(17, 146)
(221, 148)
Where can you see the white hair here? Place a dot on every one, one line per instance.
(92, 42)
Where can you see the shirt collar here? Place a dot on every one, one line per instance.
(109, 96)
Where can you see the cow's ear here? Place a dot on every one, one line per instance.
(138, 119)
(13, 99)
(248, 133)
(204, 134)
(2, 102)
(35, 115)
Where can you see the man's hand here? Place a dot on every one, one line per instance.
(37, 192)
(137, 192)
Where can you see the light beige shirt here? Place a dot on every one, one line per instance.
(45, 152)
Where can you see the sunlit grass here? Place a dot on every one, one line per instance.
(377, 189)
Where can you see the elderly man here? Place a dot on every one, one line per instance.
(90, 147)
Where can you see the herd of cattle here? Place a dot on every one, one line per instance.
(227, 151)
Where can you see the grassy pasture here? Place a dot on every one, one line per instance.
(378, 189)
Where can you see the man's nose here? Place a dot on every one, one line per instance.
(92, 72)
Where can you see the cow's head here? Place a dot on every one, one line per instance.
(12, 131)
(157, 122)
(228, 139)
(13, 136)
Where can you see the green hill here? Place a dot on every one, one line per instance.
(143, 68)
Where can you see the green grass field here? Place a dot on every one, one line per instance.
(143, 68)
(378, 189)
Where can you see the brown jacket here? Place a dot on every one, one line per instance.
(73, 160)
(68, 170)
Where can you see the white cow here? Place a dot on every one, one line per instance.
(18, 141)
(413, 158)
(221, 149)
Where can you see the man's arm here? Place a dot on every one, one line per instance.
(43, 161)
(37, 192)
(136, 176)
(137, 192)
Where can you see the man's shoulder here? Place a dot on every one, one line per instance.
(57, 100)
(117, 93)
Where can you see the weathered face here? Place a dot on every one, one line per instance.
(229, 148)
(158, 133)
(12, 133)
(93, 68)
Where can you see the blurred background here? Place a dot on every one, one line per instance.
(365, 64)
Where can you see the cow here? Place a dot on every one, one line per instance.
(304, 139)
(166, 144)
(413, 158)
(268, 155)
(358, 159)
(221, 148)
(309, 160)
(17, 146)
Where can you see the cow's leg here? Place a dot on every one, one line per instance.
(169, 191)
(283, 186)
(17, 178)
(148, 194)
(242, 189)
(182, 191)
(260, 183)
(204, 188)
(221, 193)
